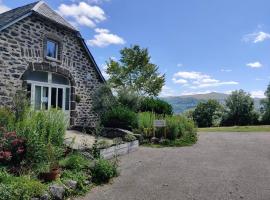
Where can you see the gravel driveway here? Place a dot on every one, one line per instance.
(220, 166)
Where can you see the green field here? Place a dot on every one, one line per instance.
(264, 128)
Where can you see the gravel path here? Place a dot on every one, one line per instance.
(225, 166)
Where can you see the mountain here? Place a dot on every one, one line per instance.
(182, 103)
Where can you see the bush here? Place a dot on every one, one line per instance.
(157, 106)
(76, 175)
(120, 117)
(103, 100)
(145, 123)
(177, 126)
(129, 137)
(129, 99)
(207, 114)
(103, 171)
(12, 148)
(103, 144)
(41, 130)
(7, 119)
(75, 161)
(20, 105)
(23, 187)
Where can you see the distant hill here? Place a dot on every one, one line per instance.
(182, 103)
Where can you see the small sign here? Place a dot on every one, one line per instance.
(159, 123)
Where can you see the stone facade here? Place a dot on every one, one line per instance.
(22, 48)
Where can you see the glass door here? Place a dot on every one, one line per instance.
(41, 97)
(57, 98)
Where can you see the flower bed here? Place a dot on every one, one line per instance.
(35, 163)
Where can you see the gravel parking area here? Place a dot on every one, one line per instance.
(220, 166)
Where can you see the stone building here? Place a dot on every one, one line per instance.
(45, 56)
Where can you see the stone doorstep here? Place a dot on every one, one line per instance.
(118, 150)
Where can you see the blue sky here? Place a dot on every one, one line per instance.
(201, 46)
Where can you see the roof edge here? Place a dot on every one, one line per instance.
(91, 57)
(35, 8)
(16, 20)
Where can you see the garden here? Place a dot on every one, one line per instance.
(138, 114)
(36, 163)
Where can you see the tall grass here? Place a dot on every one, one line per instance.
(177, 126)
(40, 129)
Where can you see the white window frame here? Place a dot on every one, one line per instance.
(50, 85)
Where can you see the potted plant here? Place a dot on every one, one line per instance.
(53, 169)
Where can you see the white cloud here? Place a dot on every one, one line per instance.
(3, 8)
(256, 37)
(181, 81)
(254, 64)
(257, 94)
(167, 91)
(179, 65)
(82, 14)
(104, 38)
(195, 80)
(259, 79)
(93, 1)
(226, 70)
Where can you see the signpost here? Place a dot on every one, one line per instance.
(160, 124)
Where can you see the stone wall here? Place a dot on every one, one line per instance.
(22, 47)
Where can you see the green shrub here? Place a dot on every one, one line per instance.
(20, 105)
(129, 99)
(145, 123)
(75, 161)
(103, 171)
(129, 137)
(177, 126)
(7, 119)
(40, 129)
(120, 117)
(77, 175)
(19, 188)
(103, 144)
(157, 106)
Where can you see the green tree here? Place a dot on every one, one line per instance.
(266, 107)
(103, 100)
(129, 99)
(158, 106)
(134, 71)
(207, 113)
(239, 109)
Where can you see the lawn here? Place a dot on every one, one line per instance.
(263, 128)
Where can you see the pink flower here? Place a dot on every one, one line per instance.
(20, 150)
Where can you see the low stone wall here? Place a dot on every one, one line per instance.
(118, 150)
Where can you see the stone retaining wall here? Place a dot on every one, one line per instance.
(118, 150)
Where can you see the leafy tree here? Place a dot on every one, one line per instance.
(207, 113)
(129, 99)
(103, 100)
(158, 106)
(134, 71)
(239, 109)
(266, 107)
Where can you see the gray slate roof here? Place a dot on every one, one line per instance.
(39, 7)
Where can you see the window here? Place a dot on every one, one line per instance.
(48, 90)
(52, 48)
